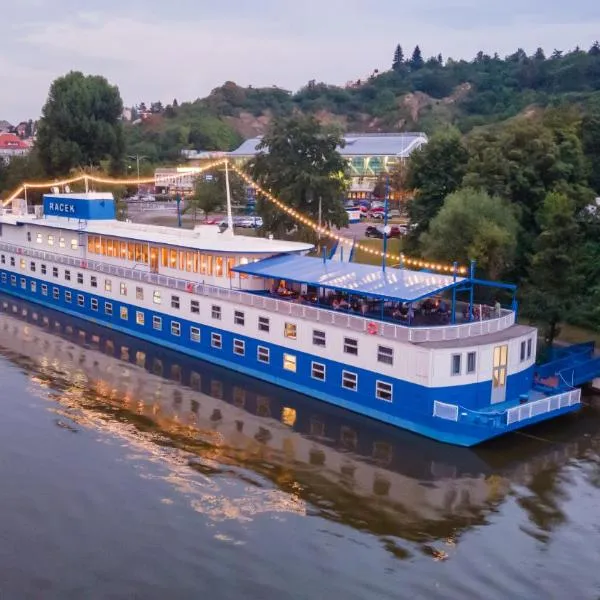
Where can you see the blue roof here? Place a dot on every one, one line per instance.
(354, 278)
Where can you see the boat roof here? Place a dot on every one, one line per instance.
(353, 278)
(203, 237)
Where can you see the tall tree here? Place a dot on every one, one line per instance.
(398, 62)
(299, 163)
(80, 124)
(434, 171)
(416, 60)
(210, 193)
(590, 133)
(553, 277)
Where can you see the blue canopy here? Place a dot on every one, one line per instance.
(353, 278)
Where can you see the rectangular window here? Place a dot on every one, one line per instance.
(108, 308)
(317, 371)
(289, 362)
(67, 275)
(44, 289)
(61, 241)
(290, 331)
(195, 307)
(38, 238)
(175, 302)
(80, 300)
(123, 289)
(216, 312)
(156, 297)
(216, 341)
(175, 328)
(55, 293)
(238, 317)
(157, 323)
(107, 285)
(195, 334)
(74, 244)
(12, 261)
(94, 303)
(239, 347)
(263, 354)
(4, 277)
(33, 285)
(385, 355)
(523, 348)
(68, 297)
(94, 281)
(455, 364)
(139, 293)
(79, 277)
(471, 362)
(44, 269)
(124, 313)
(351, 346)
(13, 280)
(263, 324)
(3, 259)
(50, 240)
(529, 347)
(32, 266)
(22, 264)
(28, 234)
(139, 317)
(24, 284)
(54, 271)
(383, 391)
(349, 381)
(319, 338)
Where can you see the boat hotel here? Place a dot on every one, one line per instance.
(394, 345)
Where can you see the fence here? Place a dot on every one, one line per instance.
(542, 406)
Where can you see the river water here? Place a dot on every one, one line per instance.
(128, 471)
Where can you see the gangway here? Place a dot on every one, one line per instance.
(569, 367)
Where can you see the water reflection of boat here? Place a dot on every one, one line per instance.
(356, 469)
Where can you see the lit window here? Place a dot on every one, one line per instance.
(350, 346)
(38, 238)
(471, 362)
(108, 285)
(289, 362)
(195, 306)
(50, 240)
(319, 338)
(216, 312)
(195, 334)
(290, 331)
(55, 293)
(68, 297)
(61, 241)
(317, 371)
(263, 354)
(156, 297)
(175, 302)
(383, 391)
(124, 313)
(263, 324)
(238, 317)
(216, 341)
(349, 381)
(22, 264)
(157, 323)
(80, 300)
(456, 364)
(123, 289)
(139, 293)
(385, 355)
(74, 244)
(139, 317)
(108, 308)
(94, 303)
(175, 328)
(239, 347)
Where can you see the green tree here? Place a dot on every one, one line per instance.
(554, 279)
(472, 225)
(298, 163)
(398, 63)
(416, 61)
(80, 124)
(210, 193)
(590, 130)
(434, 171)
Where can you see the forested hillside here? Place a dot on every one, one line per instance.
(415, 93)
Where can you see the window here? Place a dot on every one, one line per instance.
(108, 309)
(216, 312)
(455, 364)
(529, 347)
(44, 289)
(523, 349)
(290, 331)
(74, 244)
(195, 307)
(216, 341)
(12, 261)
(238, 317)
(4, 278)
(156, 297)
(61, 241)
(54, 271)
(124, 313)
(94, 281)
(239, 347)
(175, 302)
(471, 362)
(195, 334)
(289, 362)
(28, 235)
(317, 371)
(33, 286)
(32, 266)
(44, 269)
(108, 285)
(319, 338)
(383, 391)
(263, 324)
(38, 238)
(263, 354)
(123, 289)
(68, 297)
(350, 346)
(79, 277)
(94, 303)
(67, 275)
(139, 293)
(139, 317)
(385, 355)
(55, 293)
(175, 328)
(80, 300)
(23, 283)
(157, 323)
(349, 381)
(3, 259)
(50, 240)
(13, 281)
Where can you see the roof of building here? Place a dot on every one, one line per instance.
(10, 141)
(359, 144)
(353, 278)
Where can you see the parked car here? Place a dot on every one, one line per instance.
(250, 222)
(373, 232)
(377, 231)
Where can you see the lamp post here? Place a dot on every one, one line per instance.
(385, 219)
(137, 159)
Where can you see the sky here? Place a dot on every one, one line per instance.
(161, 50)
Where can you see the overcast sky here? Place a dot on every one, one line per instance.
(160, 50)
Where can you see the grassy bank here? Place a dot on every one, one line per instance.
(394, 246)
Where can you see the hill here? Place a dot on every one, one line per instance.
(414, 94)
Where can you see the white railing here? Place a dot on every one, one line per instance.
(445, 411)
(392, 331)
(543, 406)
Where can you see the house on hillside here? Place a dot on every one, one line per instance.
(5, 127)
(12, 145)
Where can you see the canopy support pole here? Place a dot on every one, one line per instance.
(455, 269)
(472, 290)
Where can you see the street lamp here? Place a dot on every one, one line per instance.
(137, 159)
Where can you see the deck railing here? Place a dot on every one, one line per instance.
(357, 323)
(533, 409)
